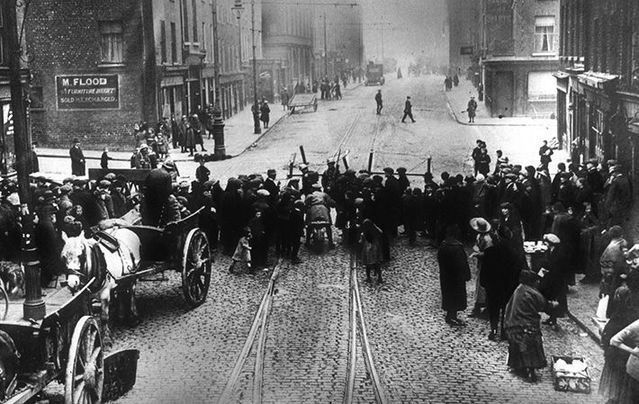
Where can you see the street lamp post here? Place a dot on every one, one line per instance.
(34, 307)
(257, 127)
(218, 122)
(239, 8)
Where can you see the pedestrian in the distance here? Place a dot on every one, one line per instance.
(242, 250)
(523, 329)
(35, 165)
(454, 272)
(78, 163)
(471, 108)
(544, 155)
(284, 98)
(265, 112)
(378, 101)
(408, 110)
(104, 159)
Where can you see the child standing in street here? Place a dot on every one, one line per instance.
(243, 250)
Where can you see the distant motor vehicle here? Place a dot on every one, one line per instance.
(374, 74)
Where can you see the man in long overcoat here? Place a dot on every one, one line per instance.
(78, 165)
(454, 272)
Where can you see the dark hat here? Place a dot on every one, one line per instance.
(428, 176)
(506, 205)
(389, 170)
(401, 170)
(76, 140)
(615, 231)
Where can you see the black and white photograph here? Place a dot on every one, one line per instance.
(319, 201)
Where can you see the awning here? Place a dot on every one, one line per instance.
(600, 81)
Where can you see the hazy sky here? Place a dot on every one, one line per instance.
(410, 28)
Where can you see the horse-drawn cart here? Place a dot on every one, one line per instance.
(181, 246)
(303, 102)
(65, 346)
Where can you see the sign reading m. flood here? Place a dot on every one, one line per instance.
(77, 92)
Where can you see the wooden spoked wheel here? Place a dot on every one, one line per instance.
(85, 368)
(4, 301)
(196, 267)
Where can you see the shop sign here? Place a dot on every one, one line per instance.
(88, 92)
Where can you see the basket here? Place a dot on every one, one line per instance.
(576, 383)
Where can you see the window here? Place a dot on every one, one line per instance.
(194, 20)
(185, 20)
(3, 46)
(542, 86)
(111, 41)
(163, 41)
(174, 55)
(545, 34)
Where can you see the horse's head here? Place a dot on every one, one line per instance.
(74, 255)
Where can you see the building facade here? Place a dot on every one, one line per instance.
(338, 39)
(519, 54)
(287, 39)
(99, 67)
(464, 37)
(598, 83)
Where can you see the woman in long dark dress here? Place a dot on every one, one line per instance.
(615, 384)
(522, 326)
(454, 272)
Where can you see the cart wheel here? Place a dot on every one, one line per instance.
(196, 267)
(85, 368)
(4, 301)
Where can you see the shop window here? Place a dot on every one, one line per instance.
(545, 34)
(111, 39)
(542, 86)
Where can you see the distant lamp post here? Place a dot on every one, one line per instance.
(238, 8)
(257, 127)
(218, 122)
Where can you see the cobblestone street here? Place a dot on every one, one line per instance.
(187, 356)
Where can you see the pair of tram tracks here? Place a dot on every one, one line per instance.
(257, 332)
(358, 328)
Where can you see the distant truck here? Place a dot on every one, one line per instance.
(374, 74)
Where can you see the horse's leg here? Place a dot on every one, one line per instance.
(105, 300)
(134, 318)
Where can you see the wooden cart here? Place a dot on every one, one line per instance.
(181, 246)
(303, 102)
(65, 346)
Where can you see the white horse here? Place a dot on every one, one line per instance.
(107, 259)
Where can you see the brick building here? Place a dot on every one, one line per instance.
(598, 84)
(520, 42)
(99, 67)
(464, 37)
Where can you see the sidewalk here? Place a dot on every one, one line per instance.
(238, 136)
(582, 306)
(458, 100)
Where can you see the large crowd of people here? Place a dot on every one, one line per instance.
(580, 214)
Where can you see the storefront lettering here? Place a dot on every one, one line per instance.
(88, 92)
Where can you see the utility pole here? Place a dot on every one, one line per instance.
(325, 48)
(218, 122)
(257, 127)
(33, 307)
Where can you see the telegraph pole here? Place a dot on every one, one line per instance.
(218, 122)
(34, 307)
(257, 127)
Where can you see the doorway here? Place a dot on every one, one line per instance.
(503, 99)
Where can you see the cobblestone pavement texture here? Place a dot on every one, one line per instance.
(187, 356)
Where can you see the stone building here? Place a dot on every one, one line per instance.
(598, 84)
(287, 38)
(338, 43)
(99, 67)
(520, 42)
(464, 38)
